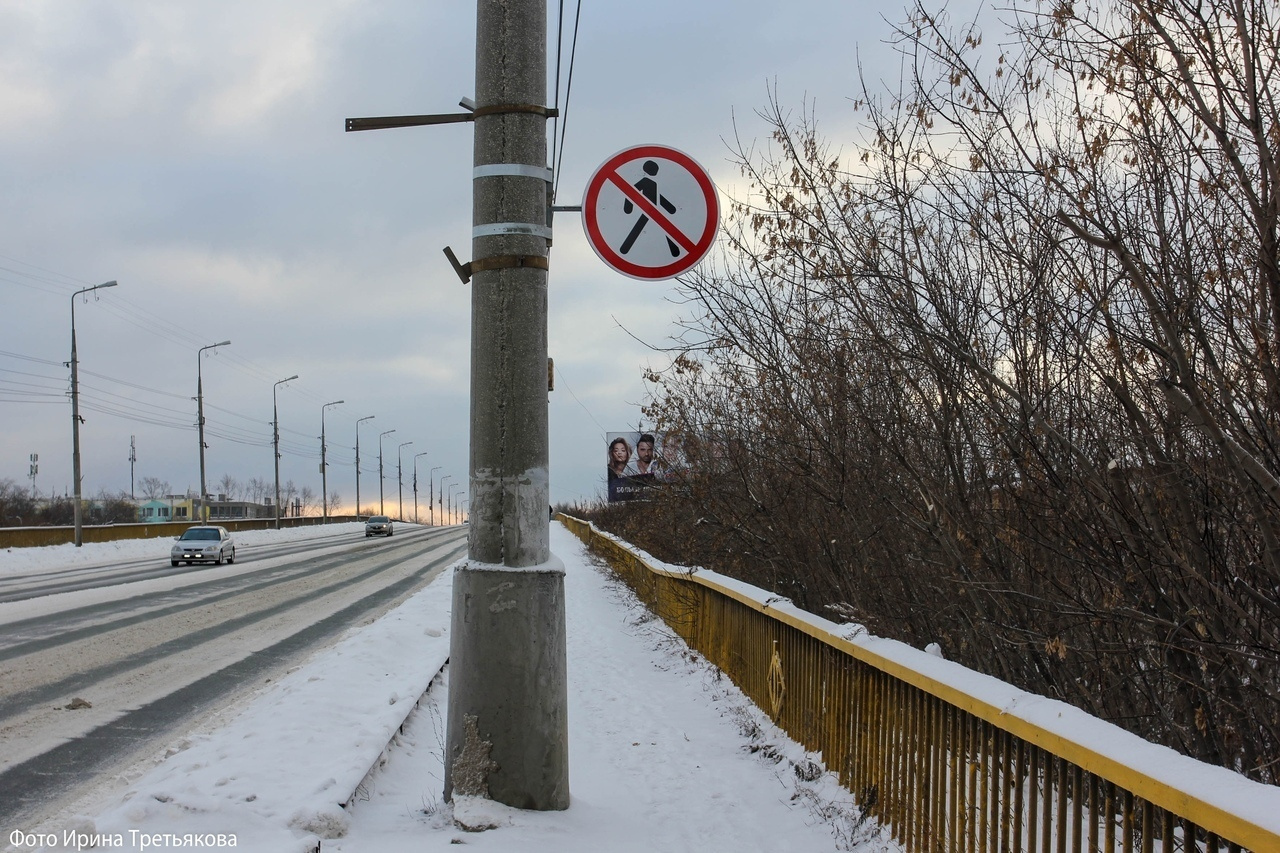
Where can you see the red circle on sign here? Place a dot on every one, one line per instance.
(688, 239)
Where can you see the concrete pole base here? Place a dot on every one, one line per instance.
(508, 721)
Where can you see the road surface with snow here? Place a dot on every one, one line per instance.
(105, 663)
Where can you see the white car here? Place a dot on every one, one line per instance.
(203, 544)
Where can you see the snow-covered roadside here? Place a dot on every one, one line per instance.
(157, 547)
(664, 754)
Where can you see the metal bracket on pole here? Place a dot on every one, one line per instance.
(497, 262)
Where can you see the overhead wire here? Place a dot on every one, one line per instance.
(558, 128)
(132, 313)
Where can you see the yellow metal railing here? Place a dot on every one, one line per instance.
(948, 767)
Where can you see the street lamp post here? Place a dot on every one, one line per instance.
(275, 439)
(200, 419)
(358, 422)
(431, 497)
(381, 511)
(75, 413)
(324, 479)
(440, 499)
(415, 485)
(452, 486)
(462, 515)
(400, 476)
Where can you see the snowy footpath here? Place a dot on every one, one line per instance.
(345, 754)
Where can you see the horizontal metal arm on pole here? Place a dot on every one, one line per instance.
(383, 122)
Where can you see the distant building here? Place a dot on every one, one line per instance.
(155, 510)
(225, 510)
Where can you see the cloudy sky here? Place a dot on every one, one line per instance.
(195, 152)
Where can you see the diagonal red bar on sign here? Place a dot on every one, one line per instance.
(650, 210)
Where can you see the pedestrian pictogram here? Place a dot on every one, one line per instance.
(650, 212)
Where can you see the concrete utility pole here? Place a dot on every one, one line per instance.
(507, 733)
(400, 475)
(200, 422)
(358, 422)
(381, 476)
(431, 507)
(324, 463)
(275, 440)
(78, 511)
(415, 485)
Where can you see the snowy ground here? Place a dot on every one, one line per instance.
(664, 754)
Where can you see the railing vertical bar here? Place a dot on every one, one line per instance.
(999, 768)
(938, 776)
(955, 757)
(1063, 787)
(1148, 828)
(898, 775)
(834, 755)
(968, 808)
(888, 792)
(1019, 791)
(909, 801)
(982, 819)
(1109, 815)
(1077, 808)
(912, 769)
(1127, 843)
(907, 763)
(1009, 776)
(924, 765)
(876, 735)
(859, 747)
(1046, 805)
(879, 743)
(1094, 812)
(930, 780)
(1033, 796)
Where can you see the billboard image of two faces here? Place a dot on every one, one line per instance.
(634, 463)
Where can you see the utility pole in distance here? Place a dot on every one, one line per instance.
(74, 364)
(507, 730)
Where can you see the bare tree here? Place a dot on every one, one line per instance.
(308, 501)
(1005, 376)
(288, 492)
(230, 487)
(153, 488)
(258, 489)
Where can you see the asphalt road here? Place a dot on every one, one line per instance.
(104, 666)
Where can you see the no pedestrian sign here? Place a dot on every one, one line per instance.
(650, 212)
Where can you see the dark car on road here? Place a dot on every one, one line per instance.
(378, 525)
(203, 544)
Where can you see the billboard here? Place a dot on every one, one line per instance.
(634, 463)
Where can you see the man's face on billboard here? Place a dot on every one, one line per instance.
(644, 451)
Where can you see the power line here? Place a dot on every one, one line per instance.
(557, 151)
